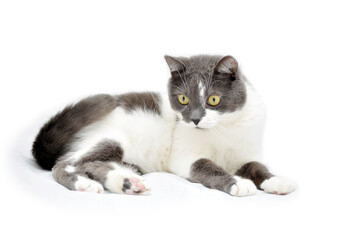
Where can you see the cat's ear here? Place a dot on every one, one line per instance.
(228, 65)
(175, 65)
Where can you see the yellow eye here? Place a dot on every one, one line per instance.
(214, 100)
(183, 99)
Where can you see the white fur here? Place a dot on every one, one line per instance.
(243, 187)
(210, 119)
(202, 91)
(87, 185)
(70, 169)
(278, 185)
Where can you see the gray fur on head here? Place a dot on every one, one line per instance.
(200, 77)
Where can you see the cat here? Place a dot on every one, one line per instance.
(207, 129)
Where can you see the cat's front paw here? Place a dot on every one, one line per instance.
(278, 185)
(243, 187)
(87, 185)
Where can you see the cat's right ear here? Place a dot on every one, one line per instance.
(175, 65)
(227, 64)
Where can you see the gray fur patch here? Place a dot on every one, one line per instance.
(209, 174)
(147, 101)
(126, 185)
(219, 75)
(54, 137)
(95, 170)
(254, 171)
(64, 177)
(106, 150)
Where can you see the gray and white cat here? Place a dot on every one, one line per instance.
(207, 130)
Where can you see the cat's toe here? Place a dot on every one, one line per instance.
(88, 185)
(126, 182)
(135, 186)
(243, 187)
(278, 185)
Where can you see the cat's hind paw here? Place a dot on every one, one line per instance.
(278, 185)
(135, 186)
(87, 185)
(125, 181)
(243, 187)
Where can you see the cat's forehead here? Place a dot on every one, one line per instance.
(201, 63)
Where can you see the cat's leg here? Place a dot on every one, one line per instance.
(115, 176)
(211, 175)
(93, 176)
(67, 175)
(265, 180)
(101, 167)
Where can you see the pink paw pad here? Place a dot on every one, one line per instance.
(134, 186)
(137, 184)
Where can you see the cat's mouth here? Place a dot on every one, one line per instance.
(205, 125)
(200, 126)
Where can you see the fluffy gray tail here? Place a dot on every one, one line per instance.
(53, 138)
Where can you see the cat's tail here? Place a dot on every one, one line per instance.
(54, 137)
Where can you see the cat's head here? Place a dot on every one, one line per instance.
(203, 89)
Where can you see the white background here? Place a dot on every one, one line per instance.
(55, 52)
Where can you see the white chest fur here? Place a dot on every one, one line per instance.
(237, 139)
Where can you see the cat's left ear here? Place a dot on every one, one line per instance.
(228, 65)
(175, 65)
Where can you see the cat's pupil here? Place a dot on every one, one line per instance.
(213, 99)
(183, 99)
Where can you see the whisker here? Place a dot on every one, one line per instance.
(179, 88)
(183, 80)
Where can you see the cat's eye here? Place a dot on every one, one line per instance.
(214, 100)
(183, 99)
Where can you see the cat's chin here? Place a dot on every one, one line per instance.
(199, 126)
(204, 127)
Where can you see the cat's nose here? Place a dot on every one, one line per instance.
(196, 121)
